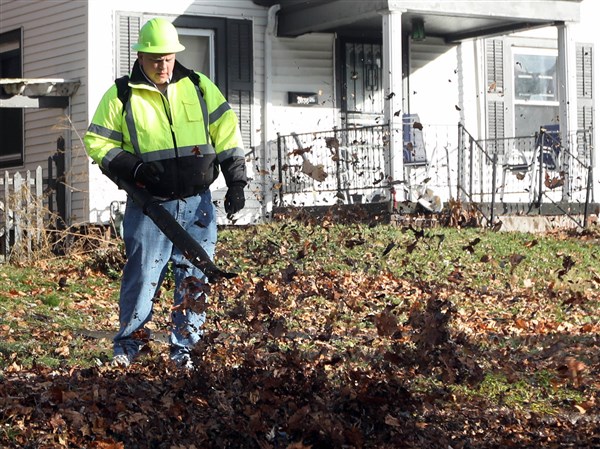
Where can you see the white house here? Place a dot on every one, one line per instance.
(348, 86)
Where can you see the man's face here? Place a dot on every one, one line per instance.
(157, 67)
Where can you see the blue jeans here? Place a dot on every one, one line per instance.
(149, 252)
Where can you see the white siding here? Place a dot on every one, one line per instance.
(303, 64)
(54, 46)
(434, 82)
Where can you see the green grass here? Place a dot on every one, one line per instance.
(536, 393)
(498, 261)
(506, 287)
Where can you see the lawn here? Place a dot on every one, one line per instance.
(331, 336)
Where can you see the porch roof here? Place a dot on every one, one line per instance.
(36, 92)
(451, 20)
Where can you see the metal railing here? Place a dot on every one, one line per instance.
(522, 175)
(533, 170)
(348, 166)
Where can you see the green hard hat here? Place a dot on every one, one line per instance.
(158, 36)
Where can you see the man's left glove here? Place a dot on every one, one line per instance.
(234, 199)
(147, 173)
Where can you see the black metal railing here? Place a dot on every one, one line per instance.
(339, 166)
(532, 170)
(536, 174)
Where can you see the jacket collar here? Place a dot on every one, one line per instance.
(137, 75)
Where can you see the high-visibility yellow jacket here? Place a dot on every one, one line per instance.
(191, 133)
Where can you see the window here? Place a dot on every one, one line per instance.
(200, 50)
(522, 87)
(535, 92)
(11, 119)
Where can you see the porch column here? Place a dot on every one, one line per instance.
(392, 89)
(567, 97)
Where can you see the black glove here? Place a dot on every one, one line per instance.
(147, 173)
(234, 199)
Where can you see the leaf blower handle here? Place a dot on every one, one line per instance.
(189, 247)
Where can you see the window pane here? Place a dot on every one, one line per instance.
(529, 118)
(535, 77)
(198, 53)
(11, 119)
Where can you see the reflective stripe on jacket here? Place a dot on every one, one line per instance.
(191, 132)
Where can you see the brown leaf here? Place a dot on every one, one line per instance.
(521, 324)
(470, 247)
(515, 260)
(573, 370)
(277, 328)
(300, 151)
(298, 445)
(497, 226)
(332, 143)
(567, 264)
(531, 243)
(57, 421)
(351, 243)
(386, 323)
(63, 351)
(411, 246)
(553, 183)
(392, 421)
(456, 276)
(288, 273)
(107, 444)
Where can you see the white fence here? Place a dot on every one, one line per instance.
(21, 213)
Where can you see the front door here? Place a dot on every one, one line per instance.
(362, 90)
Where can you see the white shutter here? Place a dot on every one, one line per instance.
(128, 29)
(585, 91)
(495, 88)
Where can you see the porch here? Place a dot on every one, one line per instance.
(534, 175)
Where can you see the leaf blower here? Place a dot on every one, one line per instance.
(189, 247)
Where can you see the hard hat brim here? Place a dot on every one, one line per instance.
(160, 49)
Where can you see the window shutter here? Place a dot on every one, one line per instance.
(239, 74)
(585, 94)
(495, 66)
(495, 119)
(128, 29)
(495, 90)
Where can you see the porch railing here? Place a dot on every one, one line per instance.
(533, 171)
(347, 166)
(535, 175)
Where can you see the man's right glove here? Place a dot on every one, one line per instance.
(234, 199)
(147, 173)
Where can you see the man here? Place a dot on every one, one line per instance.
(171, 133)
